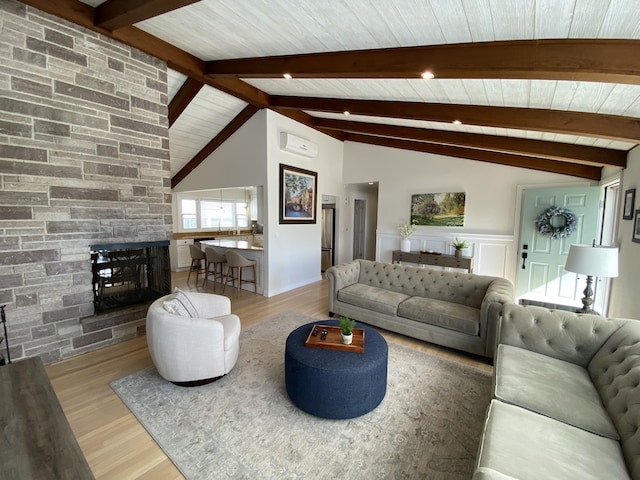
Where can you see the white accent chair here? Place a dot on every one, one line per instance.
(196, 346)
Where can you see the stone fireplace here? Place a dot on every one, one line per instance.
(129, 273)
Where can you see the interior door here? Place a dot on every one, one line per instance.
(359, 225)
(542, 276)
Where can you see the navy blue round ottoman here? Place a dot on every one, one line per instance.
(333, 383)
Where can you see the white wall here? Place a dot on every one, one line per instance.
(252, 157)
(491, 203)
(294, 250)
(238, 162)
(625, 302)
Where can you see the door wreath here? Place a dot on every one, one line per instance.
(556, 222)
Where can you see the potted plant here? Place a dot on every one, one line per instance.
(346, 328)
(406, 231)
(458, 245)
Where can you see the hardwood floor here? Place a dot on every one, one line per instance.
(114, 443)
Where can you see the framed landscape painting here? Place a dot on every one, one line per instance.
(298, 189)
(438, 209)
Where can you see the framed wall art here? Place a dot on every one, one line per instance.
(636, 227)
(298, 189)
(629, 204)
(438, 209)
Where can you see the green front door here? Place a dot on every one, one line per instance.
(543, 277)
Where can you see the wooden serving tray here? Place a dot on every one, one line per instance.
(334, 339)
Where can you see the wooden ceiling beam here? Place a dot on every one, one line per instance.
(626, 129)
(183, 97)
(114, 14)
(585, 60)
(565, 168)
(523, 146)
(177, 59)
(218, 140)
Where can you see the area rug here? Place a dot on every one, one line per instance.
(244, 426)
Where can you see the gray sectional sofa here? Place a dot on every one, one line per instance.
(457, 310)
(566, 398)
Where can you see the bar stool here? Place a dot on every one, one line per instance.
(198, 260)
(237, 261)
(215, 258)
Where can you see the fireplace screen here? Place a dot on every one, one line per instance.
(130, 273)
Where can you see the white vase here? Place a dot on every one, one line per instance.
(347, 339)
(405, 245)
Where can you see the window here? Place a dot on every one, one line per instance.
(208, 214)
(188, 214)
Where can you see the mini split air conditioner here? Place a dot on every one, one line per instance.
(297, 145)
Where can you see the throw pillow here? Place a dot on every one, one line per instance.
(180, 304)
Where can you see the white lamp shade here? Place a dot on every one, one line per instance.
(597, 261)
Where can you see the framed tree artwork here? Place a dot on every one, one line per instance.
(438, 209)
(298, 190)
(629, 201)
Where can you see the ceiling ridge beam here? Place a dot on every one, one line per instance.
(537, 148)
(625, 129)
(82, 14)
(218, 140)
(565, 168)
(589, 60)
(114, 14)
(183, 97)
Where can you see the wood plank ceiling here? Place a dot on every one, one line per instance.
(551, 85)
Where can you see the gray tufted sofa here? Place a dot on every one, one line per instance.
(566, 398)
(457, 310)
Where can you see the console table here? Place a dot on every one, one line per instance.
(37, 439)
(443, 260)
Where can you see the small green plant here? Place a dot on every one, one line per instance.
(346, 325)
(460, 244)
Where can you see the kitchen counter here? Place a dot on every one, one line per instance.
(237, 244)
(250, 249)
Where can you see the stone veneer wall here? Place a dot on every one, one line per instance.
(84, 159)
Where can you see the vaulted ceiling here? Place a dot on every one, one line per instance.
(551, 85)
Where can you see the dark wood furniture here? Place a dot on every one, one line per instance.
(333, 340)
(36, 439)
(441, 260)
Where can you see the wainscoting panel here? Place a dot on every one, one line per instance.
(494, 255)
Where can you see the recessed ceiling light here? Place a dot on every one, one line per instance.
(347, 112)
(457, 122)
(287, 76)
(427, 75)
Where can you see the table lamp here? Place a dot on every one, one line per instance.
(592, 261)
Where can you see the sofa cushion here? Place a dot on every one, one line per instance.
(443, 314)
(522, 444)
(372, 298)
(551, 387)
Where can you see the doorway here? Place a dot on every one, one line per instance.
(541, 278)
(359, 228)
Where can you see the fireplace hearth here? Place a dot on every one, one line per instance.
(129, 273)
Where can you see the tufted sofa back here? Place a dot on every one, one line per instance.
(615, 371)
(462, 288)
(555, 333)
